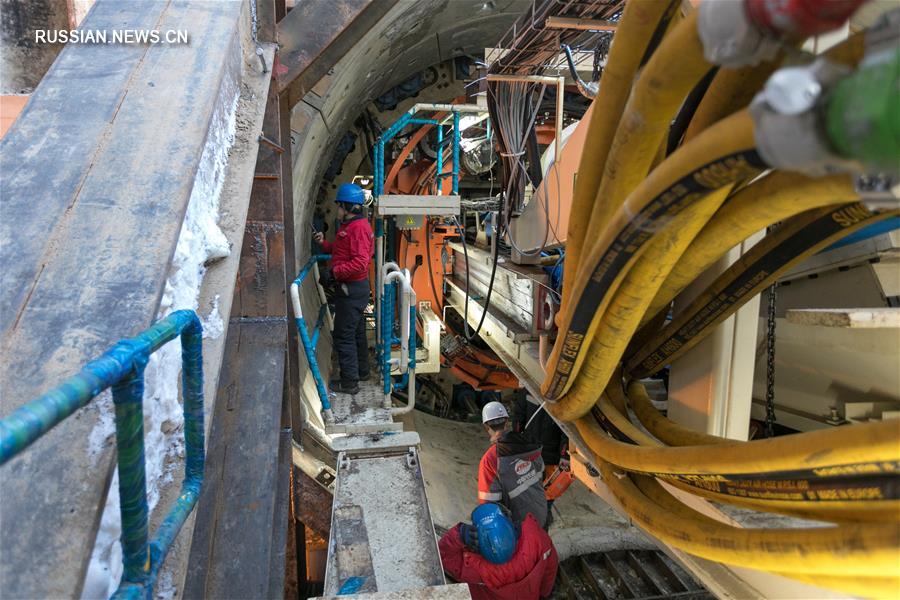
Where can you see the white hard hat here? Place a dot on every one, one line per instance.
(493, 411)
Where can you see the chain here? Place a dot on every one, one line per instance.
(770, 364)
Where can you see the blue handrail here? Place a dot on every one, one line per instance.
(309, 341)
(122, 369)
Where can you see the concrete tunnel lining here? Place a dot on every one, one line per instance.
(412, 36)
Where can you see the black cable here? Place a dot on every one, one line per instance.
(437, 297)
(487, 298)
(688, 109)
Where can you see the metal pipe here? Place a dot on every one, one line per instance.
(523, 79)
(455, 179)
(309, 342)
(554, 22)
(560, 104)
(440, 158)
(411, 367)
(122, 368)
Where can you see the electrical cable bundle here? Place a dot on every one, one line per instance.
(662, 206)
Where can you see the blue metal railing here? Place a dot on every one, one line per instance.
(122, 369)
(309, 341)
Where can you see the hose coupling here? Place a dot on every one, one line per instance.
(788, 121)
(743, 33)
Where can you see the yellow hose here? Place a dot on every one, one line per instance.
(753, 272)
(669, 432)
(675, 68)
(630, 302)
(887, 588)
(773, 198)
(637, 25)
(715, 159)
(869, 448)
(854, 549)
(873, 511)
(730, 91)
(757, 495)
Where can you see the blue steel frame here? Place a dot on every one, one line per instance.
(122, 368)
(309, 341)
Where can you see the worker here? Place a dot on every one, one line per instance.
(498, 560)
(532, 421)
(351, 254)
(511, 470)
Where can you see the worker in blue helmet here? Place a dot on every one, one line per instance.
(348, 274)
(499, 560)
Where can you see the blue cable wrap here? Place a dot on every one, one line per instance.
(122, 369)
(309, 342)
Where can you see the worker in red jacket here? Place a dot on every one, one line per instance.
(351, 254)
(511, 470)
(498, 561)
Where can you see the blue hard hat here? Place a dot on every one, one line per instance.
(351, 194)
(496, 534)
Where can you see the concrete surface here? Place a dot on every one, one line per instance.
(450, 452)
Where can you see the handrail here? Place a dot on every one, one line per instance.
(407, 361)
(122, 369)
(309, 342)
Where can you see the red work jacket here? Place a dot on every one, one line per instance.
(528, 575)
(351, 251)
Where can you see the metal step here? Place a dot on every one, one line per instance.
(361, 413)
(382, 537)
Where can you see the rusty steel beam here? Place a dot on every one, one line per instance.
(313, 37)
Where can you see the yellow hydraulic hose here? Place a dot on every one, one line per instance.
(878, 511)
(634, 31)
(669, 432)
(630, 302)
(869, 448)
(619, 422)
(798, 238)
(730, 91)
(718, 157)
(887, 588)
(773, 198)
(836, 500)
(862, 549)
(675, 68)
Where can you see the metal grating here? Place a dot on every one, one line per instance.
(637, 574)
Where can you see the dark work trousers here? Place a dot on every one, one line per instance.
(350, 300)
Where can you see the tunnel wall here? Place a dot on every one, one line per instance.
(414, 35)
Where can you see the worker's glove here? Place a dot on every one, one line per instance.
(469, 536)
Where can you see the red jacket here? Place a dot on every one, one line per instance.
(351, 251)
(528, 575)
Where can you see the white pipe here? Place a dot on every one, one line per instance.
(411, 385)
(295, 300)
(379, 260)
(403, 278)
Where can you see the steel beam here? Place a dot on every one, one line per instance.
(315, 35)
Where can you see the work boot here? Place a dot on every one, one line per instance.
(365, 377)
(343, 387)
